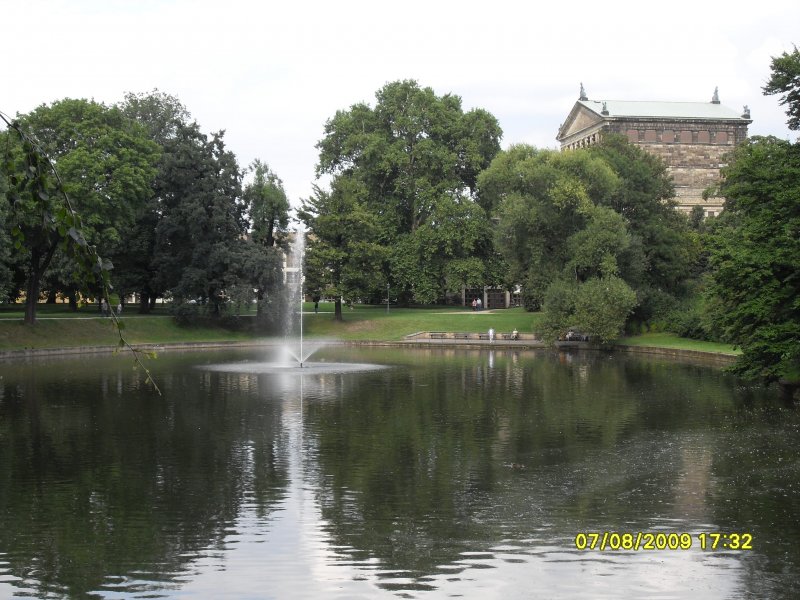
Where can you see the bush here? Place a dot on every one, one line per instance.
(690, 319)
(185, 313)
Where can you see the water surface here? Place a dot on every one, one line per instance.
(448, 473)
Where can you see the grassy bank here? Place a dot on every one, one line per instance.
(66, 333)
(670, 340)
(60, 328)
(374, 323)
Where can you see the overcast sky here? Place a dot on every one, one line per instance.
(271, 74)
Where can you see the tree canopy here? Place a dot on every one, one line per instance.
(343, 255)
(755, 260)
(140, 184)
(785, 80)
(586, 222)
(754, 247)
(105, 164)
(415, 158)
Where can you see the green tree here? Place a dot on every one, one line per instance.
(755, 260)
(105, 164)
(598, 212)
(268, 209)
(785, 80)
(661, 261)
(267, 205)
(589, 295)
(163, 116)
(540, 199)
(416, 156)
(343, 254)
(199, 236)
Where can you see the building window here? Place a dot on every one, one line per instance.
(703, 137)
(649, 135)
(668, 137)
(722, 137)
(633, 135)
(686, 137)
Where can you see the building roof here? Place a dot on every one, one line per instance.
(663, 110)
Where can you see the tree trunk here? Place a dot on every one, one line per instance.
(31, 296)
(337, 309)
(51, 296)
(144, 303)
(38, 266)
(788, 390)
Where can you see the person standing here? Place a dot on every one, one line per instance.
(480, 304)
(474, 304)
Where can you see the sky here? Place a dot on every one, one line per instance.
(271, 74)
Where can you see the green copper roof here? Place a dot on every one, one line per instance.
(663, 110)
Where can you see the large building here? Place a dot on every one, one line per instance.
(691, 137)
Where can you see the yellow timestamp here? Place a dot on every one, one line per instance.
(642, 540)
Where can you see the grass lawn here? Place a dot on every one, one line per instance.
(670, 340)
(374, 323)
(59, 327)
(63, 333)
(62, 311)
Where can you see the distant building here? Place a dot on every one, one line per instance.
(691, 137)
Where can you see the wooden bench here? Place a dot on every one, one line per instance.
(461, 336)
(509, 336)
(483, 336)
(437, 335)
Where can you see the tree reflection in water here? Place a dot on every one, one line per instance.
(413, 477)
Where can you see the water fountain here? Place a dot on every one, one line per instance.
(294, 353)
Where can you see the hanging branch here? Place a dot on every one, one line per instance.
(66, 226)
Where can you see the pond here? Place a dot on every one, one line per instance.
(450, 472)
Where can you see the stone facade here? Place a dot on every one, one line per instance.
(692, 138)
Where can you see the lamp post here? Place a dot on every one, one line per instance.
(387, 297)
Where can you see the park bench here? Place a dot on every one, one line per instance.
(483, 336)
(509, 336)
(437, 335)
(461, 336)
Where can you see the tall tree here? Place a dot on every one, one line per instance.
(268, 208)
(199, 238)
(267, 205)
(785, 79)
(755, 260)
(540, 198)
(343, 254)
(416, 156)
(663, 252)
(105, 162)
(162, 115)
(543, 202)
(755, 246)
